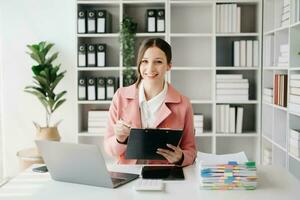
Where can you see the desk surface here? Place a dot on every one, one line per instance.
(273, 184)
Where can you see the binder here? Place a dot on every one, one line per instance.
(110, 87)
(160, 21)
(91, 55)
(82, 55)
(82, 89)
(101, 89)
(104, 21)
(91, 89)
(101, 55)
(91, 22)
(151, 20)
(81, 21)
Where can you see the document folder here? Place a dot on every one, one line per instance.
(143, 143)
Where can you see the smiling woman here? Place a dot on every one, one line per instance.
(151, 103)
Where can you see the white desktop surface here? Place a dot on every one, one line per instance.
(273, 184)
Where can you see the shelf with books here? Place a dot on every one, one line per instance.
(205, 110)
(91, 35)
(237, 51)
(98, 68)
(237, 34)
(231, 119)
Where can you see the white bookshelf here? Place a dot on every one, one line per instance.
(278, 120)
(198, 56)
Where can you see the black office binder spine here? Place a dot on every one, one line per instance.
(91, 55)
(101, 88)
(82, 89)
(91, 21)
(108, 26)
(160, 21)
(101, 21)
(82, 55)
(110, 87)
(81, 21)
(151, 20)
(91, 89)
(101, 55)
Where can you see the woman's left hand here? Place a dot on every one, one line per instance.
(172, 156)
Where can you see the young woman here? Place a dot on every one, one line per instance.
(151, 103)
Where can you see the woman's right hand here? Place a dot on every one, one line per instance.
(122, 130)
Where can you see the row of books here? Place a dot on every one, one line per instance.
(283, 58)
(267, 156)
(99, 88)
(155, 20)
(198, 123)
(229, 118)
(97, 121)
(294, 98)
(229, 176)
(228, 18)
(296, 11)
(231, 87)
(285, 14)
(269, 50)
(280, 89)
(295, 142)
(94, 21)
(92, 55)
(246, 53)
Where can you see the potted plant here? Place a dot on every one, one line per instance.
(127, 39)
(46, 77)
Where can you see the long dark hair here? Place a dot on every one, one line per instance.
(152, 42)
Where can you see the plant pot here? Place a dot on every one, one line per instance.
(50, 133)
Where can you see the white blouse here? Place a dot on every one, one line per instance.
(150, 108)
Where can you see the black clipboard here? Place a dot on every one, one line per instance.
(143, 143)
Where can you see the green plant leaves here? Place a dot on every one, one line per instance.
(46, 77)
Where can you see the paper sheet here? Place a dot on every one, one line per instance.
(221, 159)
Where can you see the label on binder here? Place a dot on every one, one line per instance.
(81, 22)
(81, 89)
(101, 55)
(160, 21)
(81, 56)
(91, 22)
(101, 88)
(91, 55)
(91, 89)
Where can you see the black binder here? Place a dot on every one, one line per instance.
(110, 87)
(104, 21)
(151, 20)
(82, 89)
(81, 21)
(101, 55)
(91, 55)
(91, 91)
(160, 21)
(101, 89)
(82, 56)
(143, 143)
(91, 22)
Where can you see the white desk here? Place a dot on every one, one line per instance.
(274, 184)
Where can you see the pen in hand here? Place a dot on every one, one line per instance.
(125, 124)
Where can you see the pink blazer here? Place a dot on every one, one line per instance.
(176, 113)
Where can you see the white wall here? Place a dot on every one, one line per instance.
(24, 22)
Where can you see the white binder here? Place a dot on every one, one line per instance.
(81, 56)
(91, 25)
(91, 55)
(82, 89)
(81, 22)
(91, 89)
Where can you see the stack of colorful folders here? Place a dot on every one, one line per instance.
(228, 176)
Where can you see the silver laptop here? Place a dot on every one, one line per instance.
(80, 163)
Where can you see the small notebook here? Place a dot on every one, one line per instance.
(143, 143)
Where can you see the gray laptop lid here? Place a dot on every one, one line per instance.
(76, 163)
